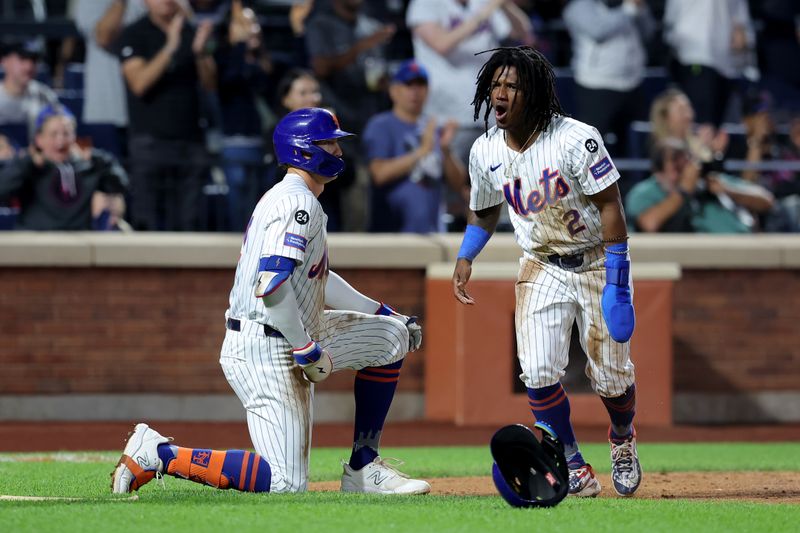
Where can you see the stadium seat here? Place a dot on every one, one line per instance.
(103, 136)
(8, 217)
(16, 133)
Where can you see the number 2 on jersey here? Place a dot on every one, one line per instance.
(572, 219)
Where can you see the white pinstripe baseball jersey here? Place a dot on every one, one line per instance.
(288, 221)
(546, 186)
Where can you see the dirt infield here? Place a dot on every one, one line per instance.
(762, 487)
(83, 436)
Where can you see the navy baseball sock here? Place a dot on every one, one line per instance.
(374, 389)
(621, 410)
(551, 406)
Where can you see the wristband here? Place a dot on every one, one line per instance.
(386, 310)
(475, 238)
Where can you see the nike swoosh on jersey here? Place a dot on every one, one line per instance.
(495, 167)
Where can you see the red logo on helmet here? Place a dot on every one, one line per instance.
(335, 119)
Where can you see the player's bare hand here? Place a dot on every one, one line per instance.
(461, 276)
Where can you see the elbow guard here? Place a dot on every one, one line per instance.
(273, 271)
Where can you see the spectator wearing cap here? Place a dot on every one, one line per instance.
(410, 159)
(21, 96)
(59, 186)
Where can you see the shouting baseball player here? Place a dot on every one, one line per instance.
(280, 340)
(560, 186)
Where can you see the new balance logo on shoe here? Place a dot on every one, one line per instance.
(377, 478)
(321, 370)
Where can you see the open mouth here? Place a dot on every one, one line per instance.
(500, 111)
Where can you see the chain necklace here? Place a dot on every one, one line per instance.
(510, 172)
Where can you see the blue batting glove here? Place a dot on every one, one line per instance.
(617, 302)
(386, 310)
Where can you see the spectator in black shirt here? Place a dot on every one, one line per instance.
(61, 187)
(162, 61)
(244, 69)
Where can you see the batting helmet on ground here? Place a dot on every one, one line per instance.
(296, 134)
(528, 472)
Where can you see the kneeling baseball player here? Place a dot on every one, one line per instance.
(280, 340)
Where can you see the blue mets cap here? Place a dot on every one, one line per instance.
(409, 71)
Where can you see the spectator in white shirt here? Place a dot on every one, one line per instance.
(711, 41)
(609, 60)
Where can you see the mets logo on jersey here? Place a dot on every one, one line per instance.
(553, 188)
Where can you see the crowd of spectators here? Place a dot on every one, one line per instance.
(157, 115)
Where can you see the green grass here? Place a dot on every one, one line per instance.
(183, 506)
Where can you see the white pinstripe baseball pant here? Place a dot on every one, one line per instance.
(549, 299)
(278, 399)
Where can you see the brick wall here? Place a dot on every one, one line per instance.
(158, 330)
(128, 330)
(737, 330)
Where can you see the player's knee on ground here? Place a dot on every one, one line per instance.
(282, 485)
(231, 469)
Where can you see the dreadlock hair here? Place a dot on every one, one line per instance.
(536, 81)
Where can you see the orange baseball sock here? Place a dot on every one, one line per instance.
(223, 469)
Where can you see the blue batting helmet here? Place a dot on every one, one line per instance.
(296, 134)
(528, 472)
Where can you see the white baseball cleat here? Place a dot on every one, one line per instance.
(380, 477)
(140, 462)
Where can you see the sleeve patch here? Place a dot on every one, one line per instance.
(295, 241)
(301, 217)
(601, 168)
